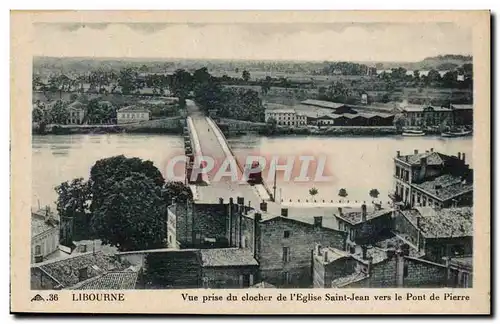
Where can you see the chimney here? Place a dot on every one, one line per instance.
(423, 161)
(363, 213)
(318, 221)
(432, 149)
(418, 221)
(231, 201)
(263, 206)
(326, 256)
(340, 211)
(463, 157)
(240, 200)
(221, 200)
(398, 153)
(256, 237)
(459, 156)
(318, 248)
(284, 212)
(415, 151)
(364, 249)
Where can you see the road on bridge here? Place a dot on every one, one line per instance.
(210, 146)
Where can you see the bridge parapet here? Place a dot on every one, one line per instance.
(195, 146)
(261, 189)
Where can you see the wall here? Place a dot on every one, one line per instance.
(173, 269)
(403, 227)
(436, 249)
(39, 280)
(302, 240)
(48, 242)
(424, 274)
(383, 274)
(228, 277)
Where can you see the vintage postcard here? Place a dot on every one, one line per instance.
(250, 162)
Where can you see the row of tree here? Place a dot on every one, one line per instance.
(123, 203)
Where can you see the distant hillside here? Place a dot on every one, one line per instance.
(441, 62)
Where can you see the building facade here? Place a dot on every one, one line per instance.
(432, 179)
(76, 113)
(286, 117)
(426, 115)
(44, 235)
(132, 114)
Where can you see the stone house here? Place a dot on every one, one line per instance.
(44, 234)
(432, 179)
(375, 268)
(438, 233)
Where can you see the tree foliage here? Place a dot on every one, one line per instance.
(374, 193)
(73, 203)
(343, 193)
(132, 217)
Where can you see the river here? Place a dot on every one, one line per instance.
(357, 164)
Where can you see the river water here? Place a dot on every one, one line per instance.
(357, 164)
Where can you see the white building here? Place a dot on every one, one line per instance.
(44, 234)
(132, 114)
(286, 117)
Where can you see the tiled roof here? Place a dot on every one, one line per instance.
(66, 270)
(396, 242)
(110, 280)
(462, 262)
(77, 105)
(445, 187)
(356, 217)
(349, 279)
(321, 103)
(448, 223)
(39, 225)
(227, 257)
(133, 109)
(433, 158)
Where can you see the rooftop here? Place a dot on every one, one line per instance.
(396, 242)
(355, 218)
(349, 279)
(133, 109)
(227, 257)
(445, 187)
(462, 262)
(263, 284)
(76, 105)
(417, 108)
(66, 270)
(462, 107)
(444, 223)
(433, 158)
(111, 280)
(323, 104)
(39, 224)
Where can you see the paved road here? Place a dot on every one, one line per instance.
(210, 146)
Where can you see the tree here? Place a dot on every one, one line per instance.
(178, 191)
(132, 217)
(313, 192)
(374, 193)
(342, 193)
(181, 84)
(127, 80)
(245, 75)
(272, 126)
(59, 112)
(73, 204)
(106, 172)
(399, 122)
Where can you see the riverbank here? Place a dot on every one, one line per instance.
(172, 126)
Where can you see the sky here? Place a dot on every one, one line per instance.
(311, 42)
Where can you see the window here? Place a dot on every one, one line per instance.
(286, 254)
(82, 274)
(351, 234)
(38, 250)
(286, 234)
(405, 271)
